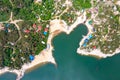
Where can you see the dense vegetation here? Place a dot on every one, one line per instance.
(107, 33)
(14, 52)
(5, 9)
(69, 17)
(16, 46)
(81, 4)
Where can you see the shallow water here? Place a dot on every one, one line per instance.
(72, 66)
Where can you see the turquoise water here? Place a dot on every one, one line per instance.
(8, 76)
(72, 66)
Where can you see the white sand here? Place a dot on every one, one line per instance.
(95, 52)
(57, 26)
(44, 56)
(118, 2)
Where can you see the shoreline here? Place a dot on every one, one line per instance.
(46, 56)
(96, 52)
(35, 67)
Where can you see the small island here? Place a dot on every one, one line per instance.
(28, 27)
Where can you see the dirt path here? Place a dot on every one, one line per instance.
(68, 4)
(15, 23)
(11, 2)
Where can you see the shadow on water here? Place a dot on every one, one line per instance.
(71, 66)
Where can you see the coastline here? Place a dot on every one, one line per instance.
(96, 52)
(56, 27)
(45, 56)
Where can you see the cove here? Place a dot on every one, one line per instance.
(72, 66)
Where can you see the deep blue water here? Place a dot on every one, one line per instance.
(72, 66)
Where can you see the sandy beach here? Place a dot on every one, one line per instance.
(57, 26)
(95, 52)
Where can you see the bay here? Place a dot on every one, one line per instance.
(72, 66)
